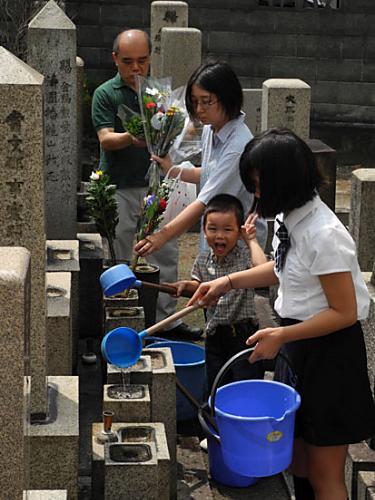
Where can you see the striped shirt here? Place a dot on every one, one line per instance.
(236, 305)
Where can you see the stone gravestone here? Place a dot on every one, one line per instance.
(176, 43)
(286, 103)
(252, 106)
(22, 197)
(80, 89)
(361, 217)
(164, 15)
(14, 358)
(52, 52)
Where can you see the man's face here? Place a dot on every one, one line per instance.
(133, 58)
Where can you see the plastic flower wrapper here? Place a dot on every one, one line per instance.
(188, 145)
(163, 113)
(131, 121)
(103, 207)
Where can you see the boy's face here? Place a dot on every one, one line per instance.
(222, 232)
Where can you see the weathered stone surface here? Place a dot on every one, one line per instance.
(252, 106)
(286, 103)
(129, 410)
(80, 79)
(164, 15)
(175, 44)
(52, 51)
(326, 159)
(361, 218)
(14, 356)
(54, 446)
(22, 196)
(360, 458)
(368, 326)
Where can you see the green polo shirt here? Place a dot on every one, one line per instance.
(127, 167)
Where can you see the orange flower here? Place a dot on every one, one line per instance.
(150, 105)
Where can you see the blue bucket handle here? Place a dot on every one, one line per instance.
(234, 359)
(203, 414)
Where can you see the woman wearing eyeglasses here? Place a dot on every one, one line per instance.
(214, 97)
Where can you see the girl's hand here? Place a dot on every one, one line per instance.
(209, 293)
(268, 342)
(164, 163)
(149, 245)
(248, 230)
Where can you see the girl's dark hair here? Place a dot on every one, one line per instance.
(217, 78)
(286, 168)
(225, 203)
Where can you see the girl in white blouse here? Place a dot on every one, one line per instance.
(321, 300)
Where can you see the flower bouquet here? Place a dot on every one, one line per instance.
(131, 121)
(163, 114)
(103, 207)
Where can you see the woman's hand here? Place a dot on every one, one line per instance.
(209, 293)
(248, 230)
(150, 244)
(268, 342)
(164, 163)
(180, 287)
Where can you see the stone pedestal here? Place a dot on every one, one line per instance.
(175, 44)
(326, 159)
(22, 197)
(163, 400)
(366, 486)
(90, 292)
(361, 218)
(286, 103)
(54, 446)
(14, 365)
(164, 15)
(136, 407)
(63, 256)
(59, 325)
(360, 458)
(140, 373)
(52, 51)
(132, 433)
(252, 106)
(134, 478)
(118, 301)
(131, 317)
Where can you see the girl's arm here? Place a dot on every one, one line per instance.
(341, 313)
(257, 277)
(184, 221)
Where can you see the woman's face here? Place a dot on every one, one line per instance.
(207, 108)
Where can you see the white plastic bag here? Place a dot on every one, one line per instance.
(181, 195)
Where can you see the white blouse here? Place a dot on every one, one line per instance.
(320, 244)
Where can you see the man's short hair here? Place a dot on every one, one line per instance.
(116, 41)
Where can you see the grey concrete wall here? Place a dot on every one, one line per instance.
(333, 50)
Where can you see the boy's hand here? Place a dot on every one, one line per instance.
(180, 286)
(248, 230)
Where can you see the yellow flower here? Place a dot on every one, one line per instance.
(99, 172)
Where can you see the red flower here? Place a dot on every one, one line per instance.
(150, 105)
(162, 204)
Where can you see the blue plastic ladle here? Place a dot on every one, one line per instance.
(122, 346)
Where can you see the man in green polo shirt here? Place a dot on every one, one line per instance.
(126, 160)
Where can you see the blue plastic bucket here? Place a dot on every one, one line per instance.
(255, 419)
(189, 362)
(219, 471)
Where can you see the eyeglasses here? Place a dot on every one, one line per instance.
(203, 103)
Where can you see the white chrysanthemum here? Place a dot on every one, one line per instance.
(94, 176)
(153, 91)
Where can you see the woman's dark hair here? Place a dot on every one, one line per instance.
(224, 203)
(217, 78)
(286, 168)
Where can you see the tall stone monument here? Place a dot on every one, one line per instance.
(22, 197)
(176, 43)
(52, 52)
(252, 106)
(164, 15)
(14, 358)
(286, 103)
(361, 217)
